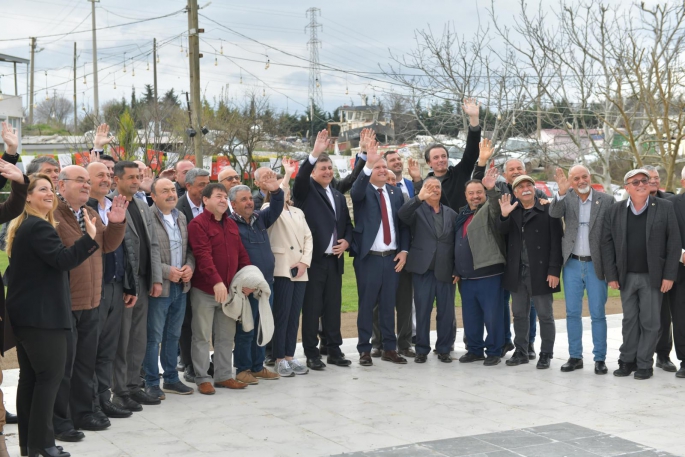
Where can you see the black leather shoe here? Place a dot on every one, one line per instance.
(189, 374)
(681, 372)
(99, 414)
(125, 402)
(531, 351)
(340, 361)
(470, 357)
(114, 411)
(572, 364)
(420, 358)
(543, 363)
(625, 368)
(323, 350)
(70, 436)
(492, 360)
(409, 352)
(316, 364)
(144, 399)
(509, 346)
(48, 452)
(517, 359)
(643, 373)
(93, 423)
(375, 352)
(23, 451)
(601, 367)
(365, 359)
(665, 364)
(11, 418)
(269, 361)
(446, 357)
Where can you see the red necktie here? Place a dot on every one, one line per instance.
(384, 219)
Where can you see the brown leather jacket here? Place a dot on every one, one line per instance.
(85, 281)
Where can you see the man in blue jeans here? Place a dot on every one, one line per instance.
(165, 313)
(253, 224)
(583, 211)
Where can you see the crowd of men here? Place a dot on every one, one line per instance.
(190, 263)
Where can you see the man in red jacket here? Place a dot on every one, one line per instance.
(219, 254)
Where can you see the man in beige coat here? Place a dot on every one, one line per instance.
(74, 403)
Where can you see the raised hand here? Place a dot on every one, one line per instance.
(9, 136)
(490, 178)
(322, 143)
(365, 138)
(117, 213)
(102, 137)
(11, 172)
(289, 167)
(169, 173)
(90, 227)
(429, 188)
(562, 181)
(269, 180)
(147, 180)
(486, 150)
(505, 204)
(414, 170)
(472, 110)
(372, 154)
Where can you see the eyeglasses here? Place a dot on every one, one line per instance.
(638, 182)
(79, 181)
(654, 180)
(231, 178)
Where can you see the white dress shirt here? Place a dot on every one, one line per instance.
(378, 244)
(197, 210)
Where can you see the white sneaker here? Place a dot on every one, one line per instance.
(297, 367)
(284, 369)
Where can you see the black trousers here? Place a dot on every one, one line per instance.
(377, 288)
(676, 300)
(109, 326)
(403, 307)
(42, 355)
(75, 396)
(665, 342)
(186, 334)
(322, 299)
(288, 298)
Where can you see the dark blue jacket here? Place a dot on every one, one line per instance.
(256, 238)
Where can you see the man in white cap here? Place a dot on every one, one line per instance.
(641, 249)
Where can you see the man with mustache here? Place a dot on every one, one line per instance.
(165, 312)
(583, 211)
(533, 266)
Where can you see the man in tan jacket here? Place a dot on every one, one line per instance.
(74, 403)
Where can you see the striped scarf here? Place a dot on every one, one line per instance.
(78, 215)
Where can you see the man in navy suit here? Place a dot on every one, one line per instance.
(325, 209)
(405, 293)
(380, 243)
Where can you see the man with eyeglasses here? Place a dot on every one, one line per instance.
(641, 248)
(229, 178)
(583, 211)
(74, 407)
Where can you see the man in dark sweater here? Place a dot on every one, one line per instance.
(253, 225)
(641, 248)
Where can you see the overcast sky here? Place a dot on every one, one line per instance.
(356, 36)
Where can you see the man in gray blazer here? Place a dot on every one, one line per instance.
(142, 248)
(583, 211)
(431, 260)
(641, 248)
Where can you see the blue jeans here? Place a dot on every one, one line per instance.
(507, 320)
(247, 354)
(164, 320)
(578, 277)
(481, 301)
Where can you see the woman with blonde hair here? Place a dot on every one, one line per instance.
(292, 244)
(39, 308)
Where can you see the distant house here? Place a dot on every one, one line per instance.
(12, 112)
(355, 118)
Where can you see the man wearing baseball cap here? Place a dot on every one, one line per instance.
(640, 249)
(533, 266)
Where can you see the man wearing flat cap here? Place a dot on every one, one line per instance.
(641, 248)
(533, 266)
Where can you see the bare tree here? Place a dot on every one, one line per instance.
(55, 110)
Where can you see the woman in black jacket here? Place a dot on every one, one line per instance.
(39, 307)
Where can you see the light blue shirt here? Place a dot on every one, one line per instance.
(581, 247)
(175, 239)
(632, 207)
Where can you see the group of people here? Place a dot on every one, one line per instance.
(114, 272)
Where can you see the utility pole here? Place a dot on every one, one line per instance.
(315, 91)
(75, 108)
(33, 54)
(16, 88)
(154, 75)
(95, 62)
(194, 63)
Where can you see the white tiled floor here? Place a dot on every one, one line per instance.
(361, 408)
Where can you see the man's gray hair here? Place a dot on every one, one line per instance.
(194, 173)
(233, 191)
(512, 160)
(34, 166)
(62, 175)
(650, 168)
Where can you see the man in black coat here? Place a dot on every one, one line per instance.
(325, 209)
(676, 296)
(533, 268)
(641, 249)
